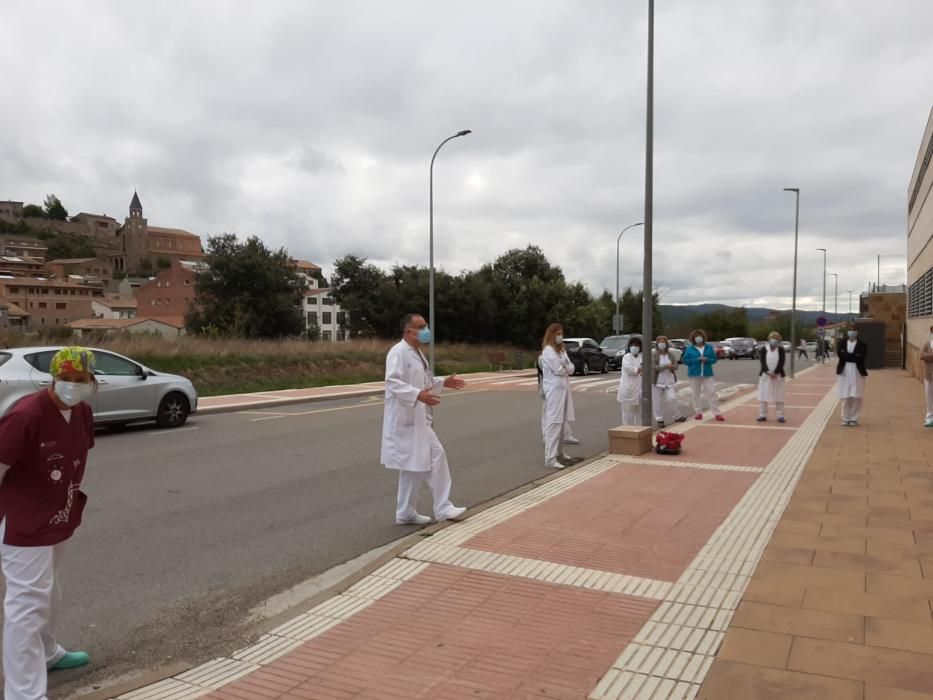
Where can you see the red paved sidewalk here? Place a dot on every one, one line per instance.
(614, 580)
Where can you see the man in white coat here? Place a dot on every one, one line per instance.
(409, 443)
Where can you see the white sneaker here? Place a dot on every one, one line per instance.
(453, 514)
(566, 456)
(416, 519)
(571, 440)
(553, 464)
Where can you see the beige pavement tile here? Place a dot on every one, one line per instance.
(756, 647)
(789, 555)
(899, 669)
(899, 634)
(905, 586)
(729, 680)
(883, 692)
(927, 567)
(799, 622)
(899, 536)
(860, 562)
(801, 527)
(853, 545)
(868, 604)
(810, 576)
(776, 593)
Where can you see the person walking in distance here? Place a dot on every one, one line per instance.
(44, 442)
(926, 356)
(409, 443)
(771, 377)
(851, 375)
(802, 349)
(629, 394)
(700, 358)
(557, 413)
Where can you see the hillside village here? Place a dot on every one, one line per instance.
(140, 278)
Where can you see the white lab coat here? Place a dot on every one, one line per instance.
(630, 381)
(771, 390)
(556, 368)
(406, 423)
(851, 383)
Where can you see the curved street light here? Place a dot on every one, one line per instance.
(618, 251)
(793, 306)
(431, 241)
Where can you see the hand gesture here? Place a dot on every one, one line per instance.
(426, 397)
(454, 382)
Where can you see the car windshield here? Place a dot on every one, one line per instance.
(571, 344)
(615, 342)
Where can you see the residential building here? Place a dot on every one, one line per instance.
(169, 293)
(12, 317)
(321, 310)
(920, 251)
(167, 326)
(11, 212)
(22, 247)
(91, 270)
(308, 272)
(15, 266)
(49, 303)
(114, 308)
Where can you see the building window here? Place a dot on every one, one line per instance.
(61, 305)
(187, 283)
(920, 296)
(42, 305)
(327, 317)
(312, 318)
(342, 317)
(325, 335)
(328, 301)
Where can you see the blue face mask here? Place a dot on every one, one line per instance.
(852, 335)
(424, 335)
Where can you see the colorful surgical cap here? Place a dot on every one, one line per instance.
(72, 359)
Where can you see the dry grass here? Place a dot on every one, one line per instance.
(222, 366)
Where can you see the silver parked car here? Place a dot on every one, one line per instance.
(128, 392)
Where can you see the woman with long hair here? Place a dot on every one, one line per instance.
(629, 394)
(700, 358)
(771, 378)
(664, 392)
(557, 415)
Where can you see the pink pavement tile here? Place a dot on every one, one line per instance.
(640, 520)
(456, 633)
(725, 445)
(747, 413)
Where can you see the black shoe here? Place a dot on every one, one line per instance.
(681, 419)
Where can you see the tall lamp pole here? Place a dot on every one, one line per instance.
(431, 242)
(824, 278)
(618, 252)
(647, 307)
(793, 304)
(850, 304)
(835, 292)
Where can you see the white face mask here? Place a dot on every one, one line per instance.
(558, 339)
(73, 393)
(662, 346)
(699, 340)
(634, 350)
(773, 342)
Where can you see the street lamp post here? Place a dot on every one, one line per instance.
(431, 242)
(647, 306)
(618, 252)
(850, 303)
(793, 304)
(824, 278)
(835, 292)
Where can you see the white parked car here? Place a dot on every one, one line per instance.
(128, 392)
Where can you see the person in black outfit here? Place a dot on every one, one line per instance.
(851, 373)
(771, 377)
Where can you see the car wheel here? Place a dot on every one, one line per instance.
(586, 368)
(605, 368)
(173, 411)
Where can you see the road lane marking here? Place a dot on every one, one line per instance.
(172, 431)
(254, 420)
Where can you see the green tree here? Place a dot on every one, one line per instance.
(781, 324)
(54, 209)
(67, 245)
(357, 288)
(247, 290)
(34, 211)
(723, 323)
(631, 305)
(145, 265)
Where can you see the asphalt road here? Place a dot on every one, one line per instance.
(185, 530)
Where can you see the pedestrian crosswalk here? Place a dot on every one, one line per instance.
(603, 384)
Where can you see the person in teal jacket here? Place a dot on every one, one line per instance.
(700, 358)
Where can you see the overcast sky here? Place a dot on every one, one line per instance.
(312, 125)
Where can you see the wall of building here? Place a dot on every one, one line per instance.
(171, 293)
(323, 311)
(920, 251)
(50, 305)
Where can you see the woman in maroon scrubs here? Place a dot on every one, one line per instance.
(44, 442)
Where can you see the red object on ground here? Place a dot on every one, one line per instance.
(668, 443)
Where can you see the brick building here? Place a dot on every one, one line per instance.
(141, 245)
(91, 270)
(49, 303)
(16, 266)
(23, 247)
(171, 293)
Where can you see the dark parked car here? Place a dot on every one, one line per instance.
(586, 355)
(613, 347)
(743, 347)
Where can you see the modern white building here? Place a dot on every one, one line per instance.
(920, 251)
(321, 310)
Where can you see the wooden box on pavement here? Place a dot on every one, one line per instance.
(630, 440)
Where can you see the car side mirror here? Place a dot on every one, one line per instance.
(143, 374)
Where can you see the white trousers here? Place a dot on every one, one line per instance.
(704, 386)
(928, 388)
(438, 480)
(661, 397)
(553, 434)
(631, 413)
(851, 409)
(763, 408)
(30, 618)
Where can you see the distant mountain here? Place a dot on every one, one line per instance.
(674, 314)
